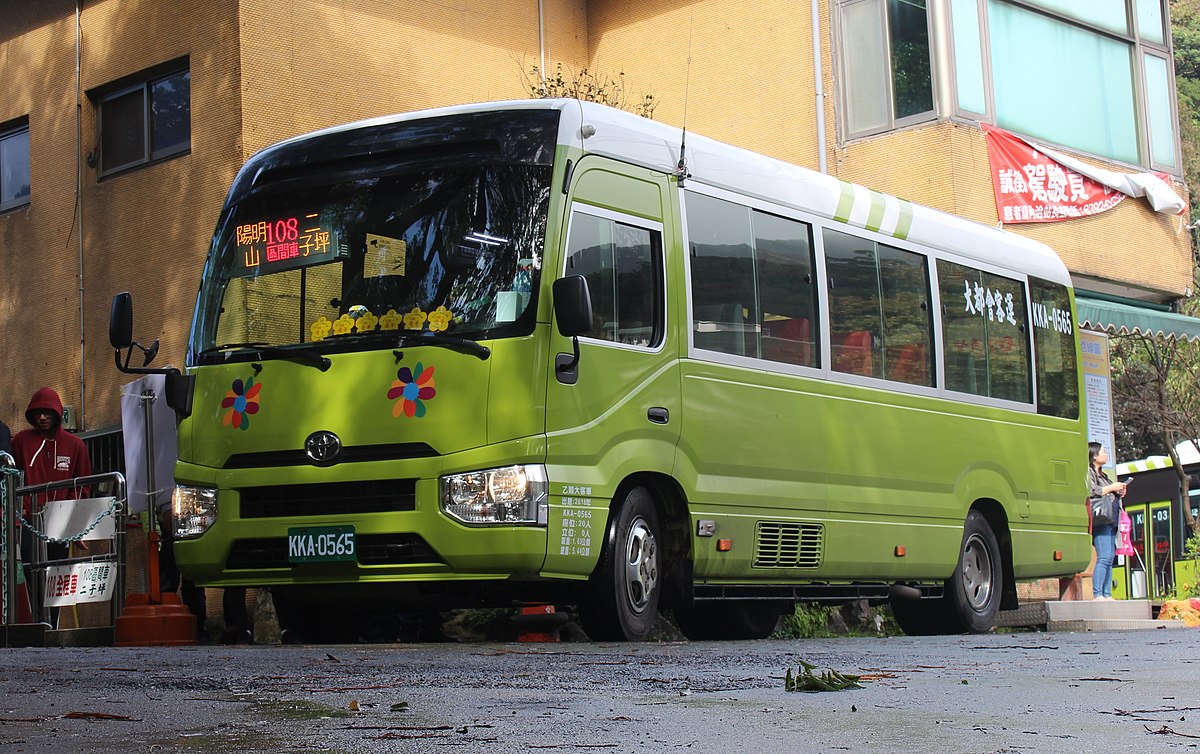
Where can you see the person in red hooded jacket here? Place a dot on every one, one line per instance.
(47, 452)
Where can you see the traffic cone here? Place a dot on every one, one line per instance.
(155, 619)
(538, 622)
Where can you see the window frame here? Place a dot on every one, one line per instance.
(842, 48)
(15, 129)
(1138, 46)
(143, 83)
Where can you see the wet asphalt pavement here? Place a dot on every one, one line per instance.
(1017, 692)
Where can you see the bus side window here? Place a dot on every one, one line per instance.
(784, 264)
(722, 276)
(984, 333)
(1054, 350)
(624, 270)
(855, 308)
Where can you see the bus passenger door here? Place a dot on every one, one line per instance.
(615, 413)
(1159, 559)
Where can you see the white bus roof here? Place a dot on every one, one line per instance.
(630, 138)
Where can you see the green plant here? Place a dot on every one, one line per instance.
(1190, 587)
(814, 621)
(829, 680)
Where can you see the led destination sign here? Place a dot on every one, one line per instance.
(284, 243)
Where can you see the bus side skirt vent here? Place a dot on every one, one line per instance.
(788, 545)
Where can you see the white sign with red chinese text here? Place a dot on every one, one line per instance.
(1031, 187)
(80, 582)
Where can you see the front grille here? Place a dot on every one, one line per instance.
(329, 498)
(349, 454)
(373, 549)
(786, 545)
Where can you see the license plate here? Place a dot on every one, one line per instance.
(321, 544)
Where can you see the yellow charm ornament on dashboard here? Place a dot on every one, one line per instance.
(415, 319)
(320, 328)
(390, 321)
(439, 318)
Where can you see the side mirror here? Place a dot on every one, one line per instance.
(120, 321)
(572, 305)
(179, 387)
(573, 310)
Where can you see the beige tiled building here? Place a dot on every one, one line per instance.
(122, 123)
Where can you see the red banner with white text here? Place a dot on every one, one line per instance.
(1033, 188)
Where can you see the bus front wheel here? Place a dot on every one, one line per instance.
(623, 594)
(973, 591)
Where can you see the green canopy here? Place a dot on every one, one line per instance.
(1120, 318)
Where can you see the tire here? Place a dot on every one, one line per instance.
(973, 592)
(729, 620)
(624, 590)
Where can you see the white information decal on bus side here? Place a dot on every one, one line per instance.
(999, 305)
(576, 521)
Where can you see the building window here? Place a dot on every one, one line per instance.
(14, 166)
(886, 66)
(144, 121)
(1090, 76)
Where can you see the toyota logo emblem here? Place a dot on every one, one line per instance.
(323, 447)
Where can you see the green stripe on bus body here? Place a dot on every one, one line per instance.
(904, 224)
(875, 216)
(845, 203)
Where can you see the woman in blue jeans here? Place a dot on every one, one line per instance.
(1104, 536)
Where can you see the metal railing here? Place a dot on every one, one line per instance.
(10, 477)
(12, 494)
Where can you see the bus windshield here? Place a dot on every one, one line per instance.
(353, 262)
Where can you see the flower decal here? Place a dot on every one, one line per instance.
(241, 400)
(320, 328)
(390, 321)
(415, 319)
(411, 389)
(439, 319)
(343, 325)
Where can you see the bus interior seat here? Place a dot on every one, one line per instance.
(789, 341)
(910, 364)
(854, 354)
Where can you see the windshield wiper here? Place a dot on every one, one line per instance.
(462, 345)
(304, 356)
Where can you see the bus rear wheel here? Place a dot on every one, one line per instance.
(973, 592)
(623, 594)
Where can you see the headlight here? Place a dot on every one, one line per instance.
(511, 495)
(195, 510)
